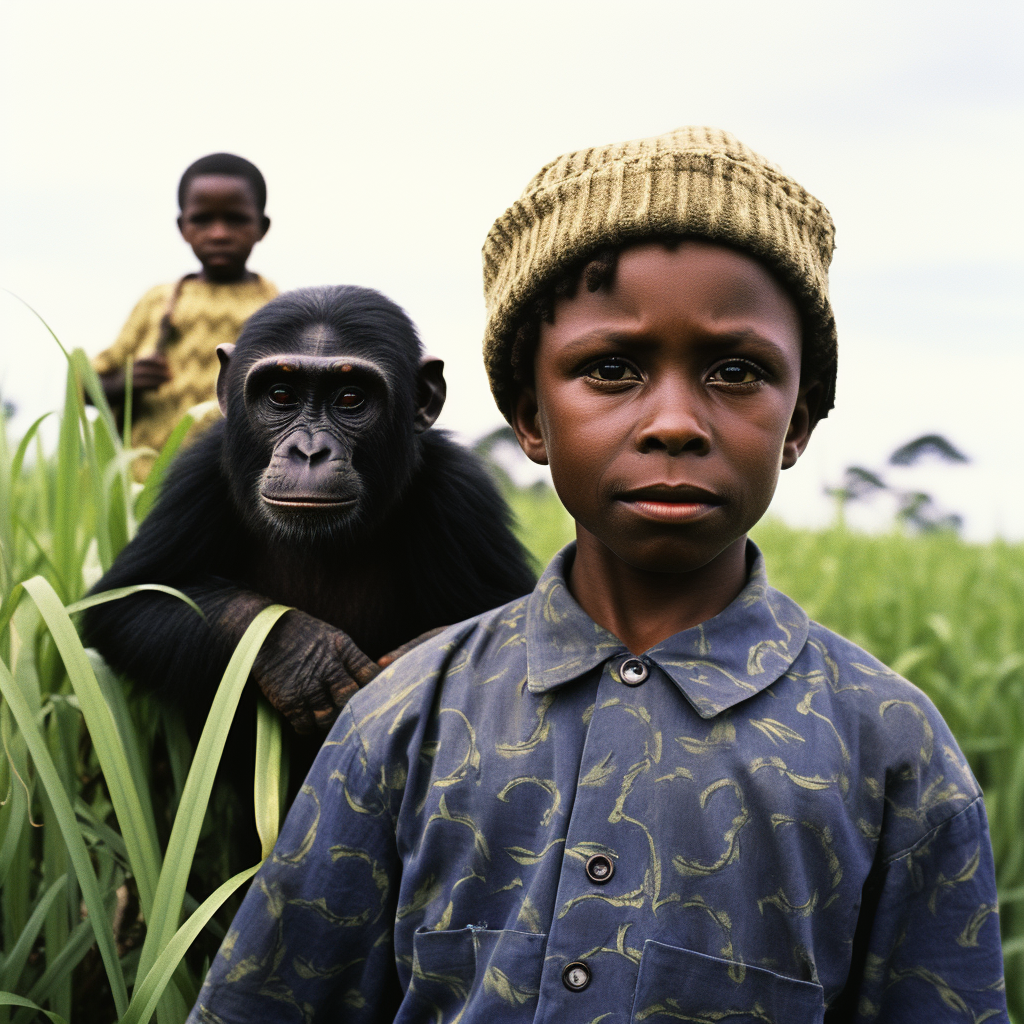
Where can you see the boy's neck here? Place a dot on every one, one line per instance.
(643, 608)
(220, 278)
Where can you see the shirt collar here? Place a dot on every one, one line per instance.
(716, 664)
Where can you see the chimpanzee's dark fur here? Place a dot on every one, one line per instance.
(428, 545)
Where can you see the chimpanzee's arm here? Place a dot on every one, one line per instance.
(190, 541)
(194, 540)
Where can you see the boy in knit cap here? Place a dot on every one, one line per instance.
(174, 330)
(651, 790)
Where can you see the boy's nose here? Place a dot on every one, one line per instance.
(674, 424)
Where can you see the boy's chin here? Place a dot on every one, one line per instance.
(218, 272)
(670, 557)
(222, 270)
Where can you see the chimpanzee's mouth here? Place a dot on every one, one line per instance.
(300, 502)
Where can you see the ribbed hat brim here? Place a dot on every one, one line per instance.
(699, 182)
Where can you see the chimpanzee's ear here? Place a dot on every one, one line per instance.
(431, 391)
(224, 355)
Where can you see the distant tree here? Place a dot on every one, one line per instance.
(915, 509)
(919, 511)
(912, 452)
(857, 483)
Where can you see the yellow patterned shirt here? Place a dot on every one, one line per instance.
(753, 822)
(205, 315)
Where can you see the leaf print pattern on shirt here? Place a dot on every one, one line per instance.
(779, 820)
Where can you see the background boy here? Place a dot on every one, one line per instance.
(652, 790)
(174, 330)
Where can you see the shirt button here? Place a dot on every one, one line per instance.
(576, 976)
(633, 671)
(599, 868)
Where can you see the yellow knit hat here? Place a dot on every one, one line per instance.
(697, 182)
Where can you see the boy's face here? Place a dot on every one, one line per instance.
(667, 404)
(221, 222)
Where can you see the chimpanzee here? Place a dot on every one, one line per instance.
(323, 488)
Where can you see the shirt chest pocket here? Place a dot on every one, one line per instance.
(681, 985)
(496, 973)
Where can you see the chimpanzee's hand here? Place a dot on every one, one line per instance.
(308, 670)
(406, 647)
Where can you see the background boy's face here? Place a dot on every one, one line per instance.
(221, 221)
(667, 404)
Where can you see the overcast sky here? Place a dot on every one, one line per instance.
(392, 134)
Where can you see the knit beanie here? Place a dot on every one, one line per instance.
(692, 182)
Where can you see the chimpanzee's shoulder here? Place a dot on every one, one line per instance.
(468, 653)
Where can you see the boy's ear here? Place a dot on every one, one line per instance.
(801, 423)
(431, 391)
(526, 424)
(224, 355)
(264, 227)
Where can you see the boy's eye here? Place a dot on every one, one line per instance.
(737, 373)
(612, 369)
(283, 397)
(349, 398)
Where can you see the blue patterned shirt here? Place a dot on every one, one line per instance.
(521, 821)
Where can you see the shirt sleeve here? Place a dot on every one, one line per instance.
(313, 937)
(133, 334)
(929, 947)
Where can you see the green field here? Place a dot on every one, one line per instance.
(103, 826)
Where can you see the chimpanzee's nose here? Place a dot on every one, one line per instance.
(311, 449)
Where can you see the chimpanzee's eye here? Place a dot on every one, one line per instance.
(737, 372)
(612, 369)
(283, 396)
(349, 398)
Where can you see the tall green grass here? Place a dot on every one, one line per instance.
(79, 833)
(91, 838)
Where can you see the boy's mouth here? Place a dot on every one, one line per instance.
(668, 504)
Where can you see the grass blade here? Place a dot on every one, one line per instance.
(10, 999)
(118, 592)
(147, 994)
(59, 972)
(196, 796)
(94, 389)
(67, 497)
(18, 956)
(37, 315)
(267, 785)
(65, 817)
(141, 841)
(151, 489)
(10, 605)
(13, 818)
(19, 455)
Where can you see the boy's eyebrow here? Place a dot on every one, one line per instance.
(641, 340)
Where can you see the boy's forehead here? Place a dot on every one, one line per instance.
(692, 279)
(204, 188)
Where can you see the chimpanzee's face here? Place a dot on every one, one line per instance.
(328, 432)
